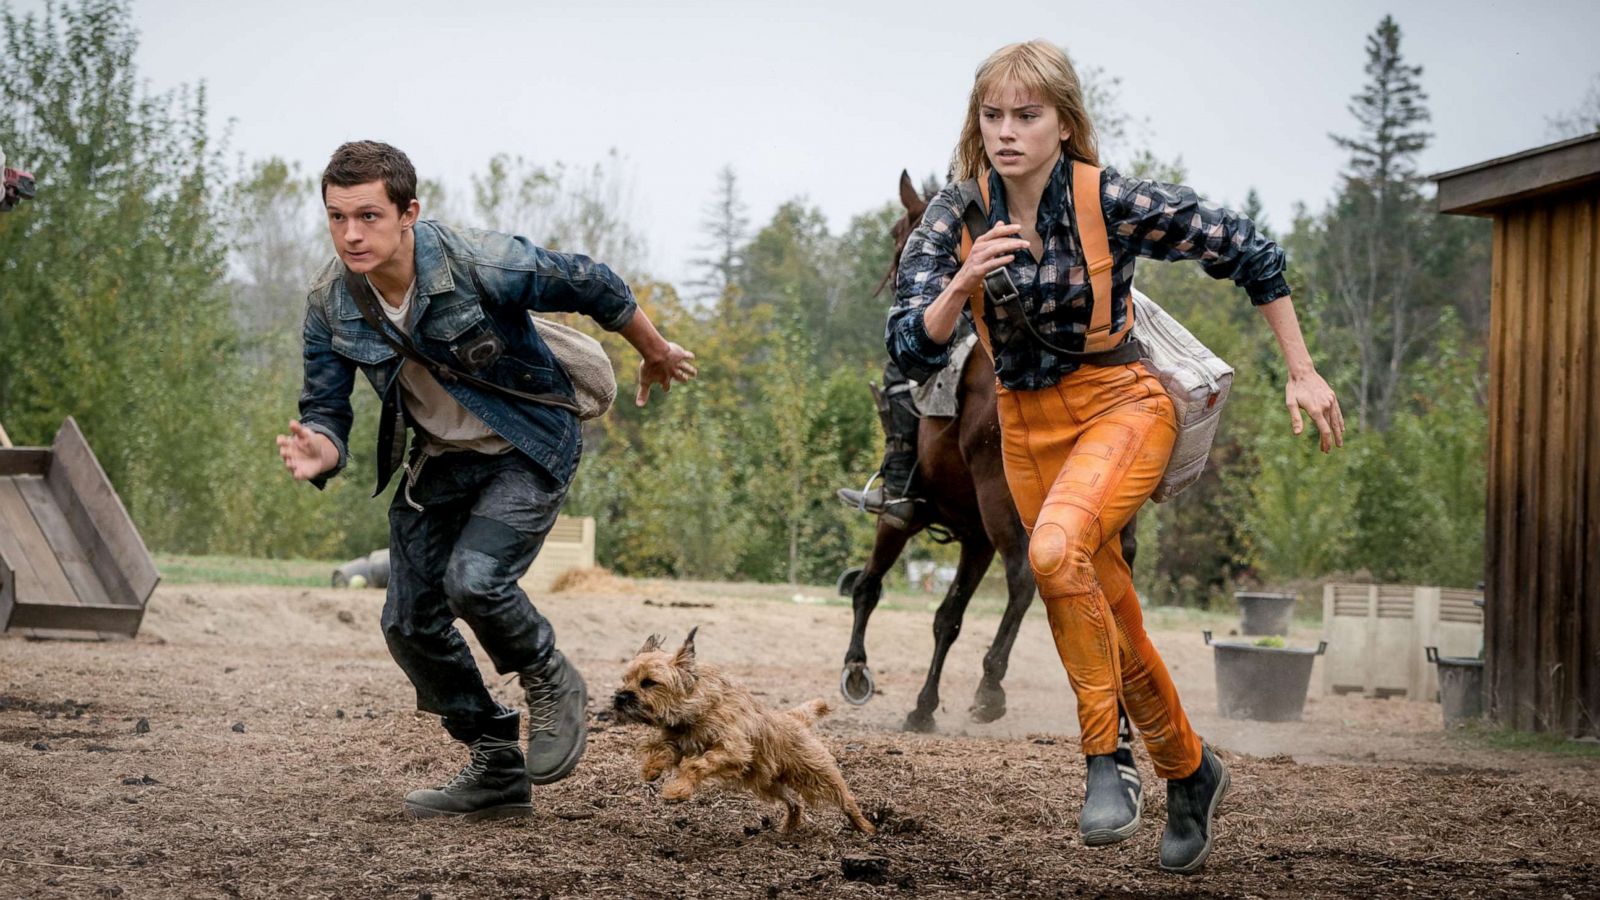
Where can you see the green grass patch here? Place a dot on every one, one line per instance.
(1489, 737)
(244, 570)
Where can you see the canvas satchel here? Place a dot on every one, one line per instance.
(593, 382)
(1197, 380)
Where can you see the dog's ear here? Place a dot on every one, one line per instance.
(651, 644)
(685, 657)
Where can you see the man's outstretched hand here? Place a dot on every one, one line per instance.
(673, 364)
(306, 454)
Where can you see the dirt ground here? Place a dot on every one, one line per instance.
(281, 737)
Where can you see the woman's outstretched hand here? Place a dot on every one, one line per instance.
(1311, 393)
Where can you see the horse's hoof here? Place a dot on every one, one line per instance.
(984, 715)
(919, 722)
(988, 705)
(856, 684)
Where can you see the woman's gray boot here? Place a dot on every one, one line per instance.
(1113, 794)
(1191, 807)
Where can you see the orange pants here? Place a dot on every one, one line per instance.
(1081, 458)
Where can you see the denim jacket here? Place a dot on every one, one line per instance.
(469, 283)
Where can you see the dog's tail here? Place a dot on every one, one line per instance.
(809, 712)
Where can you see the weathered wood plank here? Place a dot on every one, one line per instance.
(97, 515)
(1536, 297)
(1497, 525)
(20, 544)
(1511, 486)
(1487, 186)
(1524, 421)
(19, 569)
(1555, 523)
(24, 461)
(63, 634)
(69, 551)
(1571, 284)
(8, 599)
(117, 619)
(1588, 592)
(18, 515)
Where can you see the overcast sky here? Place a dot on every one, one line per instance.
(830, 101)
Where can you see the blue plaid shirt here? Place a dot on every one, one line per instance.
(1143, 218)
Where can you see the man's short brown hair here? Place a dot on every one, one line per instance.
(360, 162)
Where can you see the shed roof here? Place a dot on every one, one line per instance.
(1478, 189)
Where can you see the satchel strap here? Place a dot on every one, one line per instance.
(976, 220)
(367, 303)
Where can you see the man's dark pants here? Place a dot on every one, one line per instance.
(482, 522)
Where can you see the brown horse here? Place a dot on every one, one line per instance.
(965, 493)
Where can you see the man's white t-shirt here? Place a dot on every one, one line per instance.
(446, 425)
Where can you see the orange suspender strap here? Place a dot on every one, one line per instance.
(1097, 259)
(976, 300)
(1096, 246)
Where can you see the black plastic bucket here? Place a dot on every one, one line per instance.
(1266, 684)
(1264, 613)
(1460, 687)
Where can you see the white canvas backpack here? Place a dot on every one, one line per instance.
(1197, 380)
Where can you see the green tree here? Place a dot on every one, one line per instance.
(1376, 234)
(724, 223)
(110, 303)
(852, 334)
(1583, 118)
(784, 267)
(574, 209)
(275, 248)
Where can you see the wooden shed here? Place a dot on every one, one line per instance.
(1542, 553)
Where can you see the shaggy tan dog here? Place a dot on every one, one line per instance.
(711, 729)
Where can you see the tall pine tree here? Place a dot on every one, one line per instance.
(1377, 232)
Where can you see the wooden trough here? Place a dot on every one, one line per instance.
(569, 545)
(71, 562)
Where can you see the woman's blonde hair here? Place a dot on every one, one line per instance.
(1041, 69)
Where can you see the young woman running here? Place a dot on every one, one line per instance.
(1086, 438)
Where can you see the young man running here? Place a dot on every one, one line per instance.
(487, 470)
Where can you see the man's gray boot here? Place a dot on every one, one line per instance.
(1113, 794)
(494, 784)
(558, 727)
(1191, 807)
